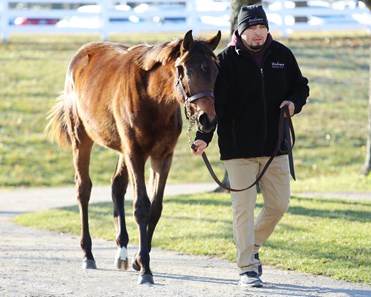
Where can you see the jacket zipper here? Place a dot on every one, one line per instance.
(264, 99)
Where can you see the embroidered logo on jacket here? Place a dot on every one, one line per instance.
(278, 65)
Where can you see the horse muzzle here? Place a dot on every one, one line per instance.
(205, 124)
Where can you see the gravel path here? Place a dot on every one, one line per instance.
(37, 263)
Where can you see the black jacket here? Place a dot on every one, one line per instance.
(247, 99)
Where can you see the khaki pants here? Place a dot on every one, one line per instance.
(275, 187)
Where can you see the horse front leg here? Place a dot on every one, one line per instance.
(160, 168)
(81, 156)
(119, 186)
(142, 206)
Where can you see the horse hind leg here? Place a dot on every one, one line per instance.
(119, 185)
(81, 155)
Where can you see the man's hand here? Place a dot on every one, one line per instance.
(290, 105)
(199, 146)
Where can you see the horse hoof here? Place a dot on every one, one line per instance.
(135, 263)
(122, 264)
(145, 279)
(89, 264)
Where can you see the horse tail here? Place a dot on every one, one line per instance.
(57, 127)
(64, 122)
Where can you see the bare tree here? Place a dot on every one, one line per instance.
(367, 166)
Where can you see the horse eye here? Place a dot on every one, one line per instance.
(189, 72)
(204, 67)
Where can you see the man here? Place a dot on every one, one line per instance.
(257, 77)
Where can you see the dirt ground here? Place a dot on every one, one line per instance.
(38, 263)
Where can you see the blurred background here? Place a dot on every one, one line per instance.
(106, 17)
(331, 40)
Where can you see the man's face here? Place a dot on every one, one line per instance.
(254, 37)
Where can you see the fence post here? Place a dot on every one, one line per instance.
(282, 12)
(4, 20)
(191, 13)
(105, 19)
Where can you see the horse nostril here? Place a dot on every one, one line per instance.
(203, 119)
(204, 123)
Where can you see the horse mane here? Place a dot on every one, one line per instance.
(147, 56)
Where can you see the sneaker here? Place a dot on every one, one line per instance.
(260, 267)
(250, 279)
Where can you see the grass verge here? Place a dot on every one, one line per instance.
(320, 236)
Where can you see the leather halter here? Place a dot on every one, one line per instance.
(188, 99)
(285, 127)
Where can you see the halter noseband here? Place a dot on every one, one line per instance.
(184, 92)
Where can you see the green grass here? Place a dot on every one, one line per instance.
(319, 236)
(327, 237)
(331, 131)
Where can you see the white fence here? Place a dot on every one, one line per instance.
(104, 17)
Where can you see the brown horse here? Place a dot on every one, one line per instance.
(128, 100)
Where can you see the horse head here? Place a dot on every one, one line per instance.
(196, 74)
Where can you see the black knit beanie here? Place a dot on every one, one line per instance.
(251, 15)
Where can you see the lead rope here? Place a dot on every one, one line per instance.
(283, 122)
(191, 122)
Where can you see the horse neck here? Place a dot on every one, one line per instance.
(162, 85)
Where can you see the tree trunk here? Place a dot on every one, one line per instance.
(367, 166)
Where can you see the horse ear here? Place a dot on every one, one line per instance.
(187, 42)
(214, 41)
